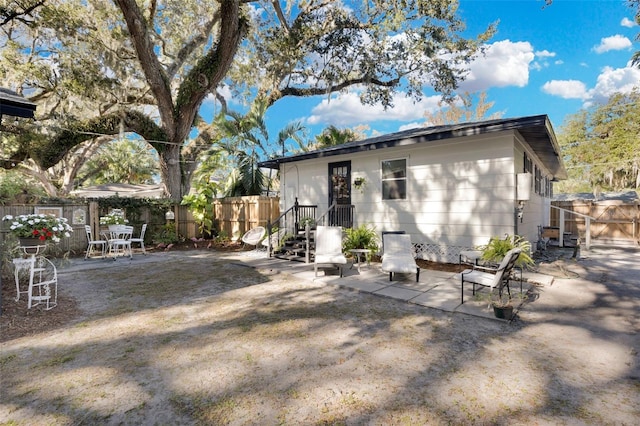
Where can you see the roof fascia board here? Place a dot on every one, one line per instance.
(419, 136)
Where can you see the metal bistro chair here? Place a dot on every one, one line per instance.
(43, 281)
(120, 241)
(93, 244)
(491, 277)
(140, 239)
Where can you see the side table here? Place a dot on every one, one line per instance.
(358, 254)
(470, 257)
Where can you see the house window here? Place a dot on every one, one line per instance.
(394, 179)
(528, 164)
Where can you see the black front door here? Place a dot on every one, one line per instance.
(340, 193)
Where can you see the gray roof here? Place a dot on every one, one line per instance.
(15, 105)
(124, 190)
(536, 130)
(626, 197)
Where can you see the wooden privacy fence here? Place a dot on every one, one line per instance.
(233, 216)
(81, 213)
(609, 221)
(76, 214)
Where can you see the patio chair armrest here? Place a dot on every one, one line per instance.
(485, 268)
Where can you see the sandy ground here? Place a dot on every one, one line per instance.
(205, 339)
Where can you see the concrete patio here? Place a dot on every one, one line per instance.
(435, 289)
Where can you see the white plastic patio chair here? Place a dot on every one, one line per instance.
(140, 239)
(491, 277)
(328, 250)
(94, 244)
(398, 256)
(120, 241)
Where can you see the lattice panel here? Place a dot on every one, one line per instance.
(439, 253)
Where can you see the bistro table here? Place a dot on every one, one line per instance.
(360, 255)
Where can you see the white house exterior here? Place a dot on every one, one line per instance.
(450, 187)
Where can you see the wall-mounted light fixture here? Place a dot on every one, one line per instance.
(523, 192)
(169, 215)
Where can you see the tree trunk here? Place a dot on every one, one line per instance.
(170, 171)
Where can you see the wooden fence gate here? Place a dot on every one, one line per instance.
(611, 221)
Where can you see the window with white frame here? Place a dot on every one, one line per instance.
(394, 179)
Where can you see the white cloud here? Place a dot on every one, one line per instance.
(505, 63)
(542, 62)
(616, 42)
(545, 54)
(346, 110)
(610, 81)
(225, 91)
(566, 89)
(626, 22)
(409, 126)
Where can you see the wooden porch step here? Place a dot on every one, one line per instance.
(290, 257)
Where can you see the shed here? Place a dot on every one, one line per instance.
(120, 189)
(450, 187)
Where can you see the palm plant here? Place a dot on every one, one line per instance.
(498, 247)
(246, 138)
(362, 237)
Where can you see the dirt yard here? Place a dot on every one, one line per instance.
(202, 338)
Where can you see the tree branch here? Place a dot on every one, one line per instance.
(188, 48)
(153, 71)
(9, 14)
(211, 68)
(281, 17)
(311, 91)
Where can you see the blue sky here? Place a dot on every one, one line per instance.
(551, 60)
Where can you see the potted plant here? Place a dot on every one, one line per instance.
(307, 220)
(37, 229)
(502, 306)
(363, 237)
(360, 184)
(116, 217)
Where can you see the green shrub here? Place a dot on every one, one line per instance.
(307, 221)
(362, 237)
(167, 235)
(498, 248)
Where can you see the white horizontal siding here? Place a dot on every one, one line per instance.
(459, 193)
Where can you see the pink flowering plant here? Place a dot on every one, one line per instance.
(41, 226)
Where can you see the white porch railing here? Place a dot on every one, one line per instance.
(587, 226)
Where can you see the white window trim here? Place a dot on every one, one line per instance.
(406, 179)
